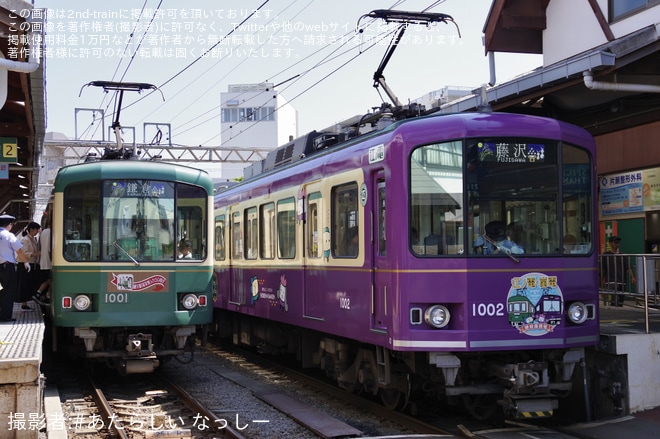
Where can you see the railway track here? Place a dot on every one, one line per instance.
(392, 424)
(146, 406)
(200, 400)
(341, 414)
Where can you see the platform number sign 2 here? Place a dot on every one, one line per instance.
(9, 155)
(9, 150)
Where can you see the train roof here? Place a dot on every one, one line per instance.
(137, 169)
(454, 125)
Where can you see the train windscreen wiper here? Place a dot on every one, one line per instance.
(126, 253)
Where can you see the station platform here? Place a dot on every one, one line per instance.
(632, 355)
(628, 319)
(21, 381)
(641, 425)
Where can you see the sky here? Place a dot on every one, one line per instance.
(192, 51)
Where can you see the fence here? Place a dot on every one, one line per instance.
(617, 272)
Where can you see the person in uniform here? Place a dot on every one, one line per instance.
(614, 269)
(184, 250)
(10, 248)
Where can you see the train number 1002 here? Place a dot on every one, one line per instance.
(487, 309)
(116, 298)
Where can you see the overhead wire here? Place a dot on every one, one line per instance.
(297, 77)
(205, 53)
(318, 82)
(195, 60)
(380, 38)
(195, 118)
(291, 80)
(135, 52)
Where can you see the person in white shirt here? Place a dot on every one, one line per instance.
(45, 265)
(10, 246)
(184, 250)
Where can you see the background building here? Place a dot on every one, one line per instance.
(601, 71)
(254, 115)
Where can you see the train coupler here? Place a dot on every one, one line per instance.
(139, 345)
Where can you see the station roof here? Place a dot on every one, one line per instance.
(22, 114)
(559, 90)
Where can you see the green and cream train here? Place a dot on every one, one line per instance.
(122, 293)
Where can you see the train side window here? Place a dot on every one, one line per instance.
(286, 228)
(267, 235)
(314, 234)
(576, 202)
(436, 199)
(345, 221)
(237, 240)
(251, 233)
(191, 218)
(220, 238)
(82, 222)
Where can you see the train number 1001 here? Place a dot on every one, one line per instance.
(487, 309)
(116, 298)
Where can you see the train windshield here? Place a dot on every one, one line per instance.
(500, 196)
(134, 220)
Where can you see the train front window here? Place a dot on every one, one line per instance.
(524, 196)
(138, 220)
(436, 198)
(513, 194)
(82, 238)
(577, 202)
(133, 220)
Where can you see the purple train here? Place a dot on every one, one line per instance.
(447, 256)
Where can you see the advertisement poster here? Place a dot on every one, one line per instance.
(651, 188)
(621, 193)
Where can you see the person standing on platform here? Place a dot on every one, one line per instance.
(29, 280)
(613, 270)
(10, 246)
(45, 265)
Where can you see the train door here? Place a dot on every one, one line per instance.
(381, 289)
(316, 249)
(220, 250)
(236, 295)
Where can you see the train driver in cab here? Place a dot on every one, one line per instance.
(184, 250)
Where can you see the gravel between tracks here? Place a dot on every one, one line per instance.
(229, 400)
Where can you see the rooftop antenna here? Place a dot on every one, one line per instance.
(404, 18)
(121, 87)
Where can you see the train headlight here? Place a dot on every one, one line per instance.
(437, 316)
(82, 302)
(189, 301)
(577, 312)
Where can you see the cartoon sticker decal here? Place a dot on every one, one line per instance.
(254, 289)
(276, 298)
(326, 244)
(281, 294)
(535, 304)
